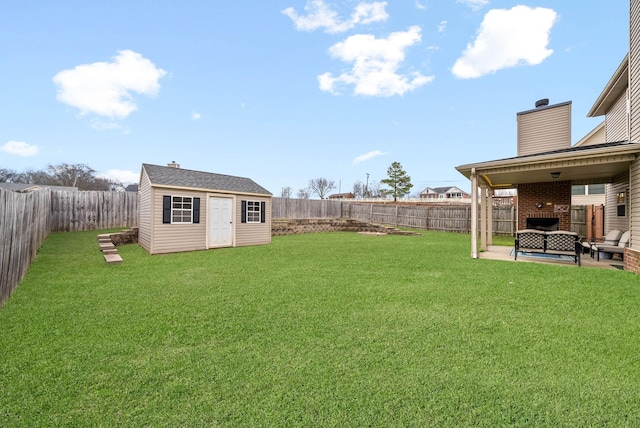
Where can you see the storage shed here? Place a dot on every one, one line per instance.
(186, 210)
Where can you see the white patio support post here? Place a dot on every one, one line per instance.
(474, 214)
(490, 216)
(483, 218)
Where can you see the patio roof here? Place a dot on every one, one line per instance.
(597, 163)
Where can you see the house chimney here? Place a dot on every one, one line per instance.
(545, 128)
(173, 164)
(542, 103)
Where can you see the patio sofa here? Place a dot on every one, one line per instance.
(557, 242)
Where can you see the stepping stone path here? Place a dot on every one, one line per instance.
(109, 251)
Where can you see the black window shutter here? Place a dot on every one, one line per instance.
(166, 209)
(263, 209)
(196, 210)
(243, 211)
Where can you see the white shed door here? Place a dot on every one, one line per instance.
(220, 222)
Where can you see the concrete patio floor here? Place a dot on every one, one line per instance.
(496, 252)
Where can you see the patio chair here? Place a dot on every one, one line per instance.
(611, 238)
(613, 249)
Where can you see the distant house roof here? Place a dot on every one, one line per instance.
(342, 196)
(442, 190)
(19, 187)
(131, 188)
(180, 177)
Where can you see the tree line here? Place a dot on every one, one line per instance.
(81, 176)
(398, 184)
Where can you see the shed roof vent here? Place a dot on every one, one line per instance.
(173, 164)
(542, 103)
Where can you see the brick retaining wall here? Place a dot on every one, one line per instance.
(297, 226)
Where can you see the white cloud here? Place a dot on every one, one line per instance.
(321, 15)
(420, 5)
(507, 38)
(442, 26)
(105, 88)
(367, 156)
(375, 65)
(196, 116)
(20, 148)
(474, 4)
(122, 176)
(102, 125)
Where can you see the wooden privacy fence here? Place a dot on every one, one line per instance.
(74, 211)
(443, 217)
(26, 219)
(24, 225)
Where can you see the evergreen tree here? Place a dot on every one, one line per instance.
(398, 181)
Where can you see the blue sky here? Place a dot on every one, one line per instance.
(288, 91)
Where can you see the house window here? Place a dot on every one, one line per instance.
(621, 199)
(578, 190)
(596, 189)
(180, 210)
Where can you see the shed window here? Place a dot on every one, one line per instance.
(253, 211)
(181, 210)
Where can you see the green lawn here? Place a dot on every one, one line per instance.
(334, 329)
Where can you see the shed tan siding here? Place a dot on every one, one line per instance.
(617, 121)
(544, 129)
(173, 238)
(634, 68)
(252, 233)
(611, 219)
(144, 222)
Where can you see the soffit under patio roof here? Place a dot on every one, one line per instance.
(598, 163)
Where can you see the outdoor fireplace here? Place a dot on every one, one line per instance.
(545, 224)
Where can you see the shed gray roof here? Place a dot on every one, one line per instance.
(179, 177)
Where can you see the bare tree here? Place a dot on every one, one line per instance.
(359, 190)
(7, 175)
(321, 186)
(374, 190)
(34, 177)
(286, 192)
(303, 194)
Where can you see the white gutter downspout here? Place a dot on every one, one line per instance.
(474, 214)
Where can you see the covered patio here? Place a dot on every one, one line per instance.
(544, 183)
(500, 252)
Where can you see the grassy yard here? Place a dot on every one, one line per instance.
(335, 329)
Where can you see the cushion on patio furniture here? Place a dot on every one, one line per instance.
(562, 241)
(613, 249)
(611, 238)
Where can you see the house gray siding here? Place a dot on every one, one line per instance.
(634, 68)
(612, 220)
(617, 121)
